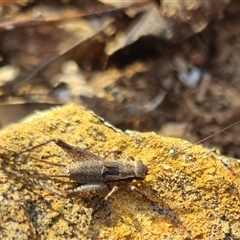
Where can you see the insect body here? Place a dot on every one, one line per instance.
(92, 172)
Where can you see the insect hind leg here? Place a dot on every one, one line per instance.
(37, 146)
(75, 153)
(86, 190)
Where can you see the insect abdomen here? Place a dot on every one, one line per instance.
(85, 172)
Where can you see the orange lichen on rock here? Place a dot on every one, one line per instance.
(189, 193)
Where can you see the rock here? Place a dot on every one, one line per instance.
(189, 193)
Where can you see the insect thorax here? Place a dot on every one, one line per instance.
(124, 170)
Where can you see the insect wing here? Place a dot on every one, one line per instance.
(110, 170)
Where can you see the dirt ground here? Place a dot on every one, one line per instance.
(184, 86)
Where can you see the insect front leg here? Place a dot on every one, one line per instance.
(114, 189)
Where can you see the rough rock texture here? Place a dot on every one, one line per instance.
(190, 192)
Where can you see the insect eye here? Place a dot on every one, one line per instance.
(140, 169)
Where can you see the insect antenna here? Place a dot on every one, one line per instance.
(214, 134)
(220, 131)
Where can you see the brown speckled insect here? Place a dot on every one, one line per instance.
(92, 172)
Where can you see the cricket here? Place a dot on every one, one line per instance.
(91, 171)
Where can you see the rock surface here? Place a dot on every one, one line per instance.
(189, 193)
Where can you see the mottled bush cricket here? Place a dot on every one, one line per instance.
(91, 171)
